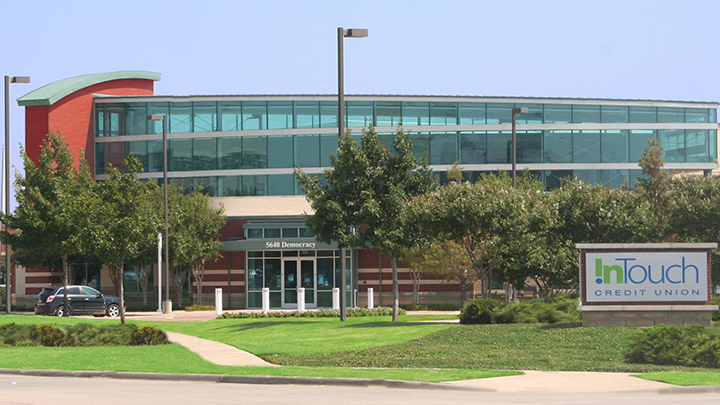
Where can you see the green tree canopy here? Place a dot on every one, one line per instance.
(55, 211)
(368, 190)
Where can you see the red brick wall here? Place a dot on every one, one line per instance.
(73, 117)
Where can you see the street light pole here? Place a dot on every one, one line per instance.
(167, 305)
(515, 112)
(341, 34)
(8, 271)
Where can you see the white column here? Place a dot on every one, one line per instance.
(301, 299)
(336, 299)
(265, 300)
(371, 301)
(218, 301)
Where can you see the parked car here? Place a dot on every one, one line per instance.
(84, 300)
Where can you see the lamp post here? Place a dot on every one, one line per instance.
(341, 34)
(8, 272)
(515, 112)
(167, 305)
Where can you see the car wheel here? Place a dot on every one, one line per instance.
(113, 311)
(60, 311)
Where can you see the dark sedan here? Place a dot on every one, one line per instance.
(84, 300)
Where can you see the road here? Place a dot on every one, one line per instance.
(17, 390)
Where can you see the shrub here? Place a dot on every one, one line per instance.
(12, 334)
(48, 335)
(149, 335)
(322, 313)
(479, 311)
(716, 314)
(200, 308)
(430, 307)
(485, 311)
(688, 345)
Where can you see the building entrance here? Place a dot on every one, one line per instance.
(298, 273)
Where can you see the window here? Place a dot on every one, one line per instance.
(329, 114)
(499, 113)
(586, 113)
(205, 154)
(387, 113)
(180, 154)
(180, 118)
(280, 151)
(614, 146)
(443, 114)
(533, 116)
(289, 232)
(280, 115)
(499, 147)
(643, 114)
(673, 141)
(557, 114)
(558, 146)
(307, 150)
(473, 148)
(307, 114)
(359, 113)
(415, 113)
(471, 113)
(254, 152)
(136, 121)
(281, 184)
(230, 153)
(254, 115)
(443, 148)
(204, 117)
(586, 146)
(529, 147)
(230, 116)
(671, 115)
(613, 114)
(230, 186)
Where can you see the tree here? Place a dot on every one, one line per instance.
(443, 259)
(195, 235)
(482, 218)
(54, 216)
(124, 228)
(656, 186)
(368, 189)
(595, 214)
(695, 214)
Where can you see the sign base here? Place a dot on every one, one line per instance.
(646, 315)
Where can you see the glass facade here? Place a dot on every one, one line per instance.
(222, 144)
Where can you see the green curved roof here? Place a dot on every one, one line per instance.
(50, 94)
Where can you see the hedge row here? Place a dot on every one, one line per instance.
(551, 310)
(322, 313)
(81, 334)
(687, 345)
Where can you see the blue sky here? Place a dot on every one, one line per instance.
(589, 49)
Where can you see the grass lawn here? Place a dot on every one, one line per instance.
(685, 378)
(370, 347)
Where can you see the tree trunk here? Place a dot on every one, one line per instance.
(396, 292)
(463, 294)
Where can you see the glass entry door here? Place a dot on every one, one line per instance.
(298, 273)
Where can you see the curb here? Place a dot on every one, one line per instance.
(233, 379)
